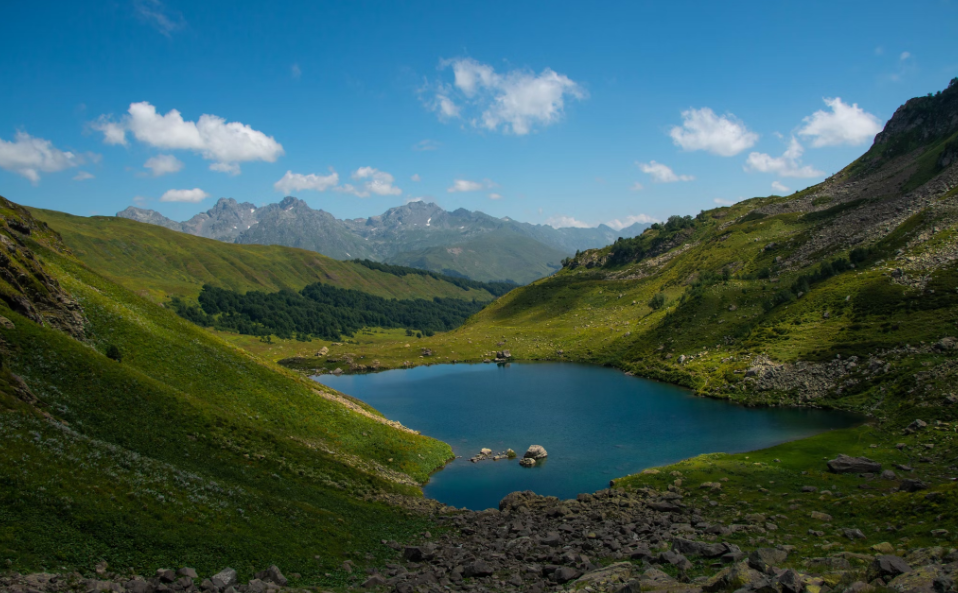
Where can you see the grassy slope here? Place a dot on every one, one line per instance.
(164, 263)
(495, 256)
(188, 452)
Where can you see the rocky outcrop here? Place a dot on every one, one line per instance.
(843, 464)
(25, 285)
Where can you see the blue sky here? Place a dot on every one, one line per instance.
(561, 112)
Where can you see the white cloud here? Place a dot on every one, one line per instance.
(780, 187)
(620, 223)
(113, 132)
(157, 15)
(462, 185)
(636, 187)
(184, 195)
(559, 221)
(411, 200)
(723, 202)
(426, 144)
(495, 196)
(723, 135)
(30, 156)
(514, 102)
(904, 56)
(163, 164)
(83, 176)
(226, 143)
(374, 182)
(662, 173)
(293, 182)
(416, 178)
(295, 71)
(140, 200)
(845, 124)
(787, 165)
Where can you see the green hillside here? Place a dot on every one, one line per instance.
(500, 255)
(134, 437)
(162, 263)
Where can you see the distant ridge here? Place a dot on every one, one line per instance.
(418, 234)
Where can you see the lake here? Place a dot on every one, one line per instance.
(596, 424)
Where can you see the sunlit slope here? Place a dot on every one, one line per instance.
(189, 451)
(164, 263)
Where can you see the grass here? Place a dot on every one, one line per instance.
(159, 263)
(189, 452)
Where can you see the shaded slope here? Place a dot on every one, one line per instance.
(188, 451)
(164, 263)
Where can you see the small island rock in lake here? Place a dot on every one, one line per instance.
(536, 452)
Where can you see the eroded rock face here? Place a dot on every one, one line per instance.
(24, 284)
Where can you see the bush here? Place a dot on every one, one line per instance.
(112, 352)
(657, 302)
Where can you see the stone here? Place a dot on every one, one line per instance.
(275, 575)
(337, 371)
(732, 578)
(608, 578)
(479, 568)
(843, 464)
(419, 553)
(912, 485)
(917, 425)
(536, 452)
(224, 578)
(256, 586)
(884, 548)
(790, 581)
(887, 566)
(809, 489)
(140, 586)
(853, 534)
(485, 451)
(6, 323)
(564, 574)
(374, 581)
(920, 580)
(694, 548)
(527, 462)
(166, 575)
(674, 558)
(187, 572)
(818, 516)
(763, 559)
(888, 475)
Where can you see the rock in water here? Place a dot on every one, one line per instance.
(527, 462)
(843, 464)
(536, 452)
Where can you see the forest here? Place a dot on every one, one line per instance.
(320, 310)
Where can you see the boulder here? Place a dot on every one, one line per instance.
(887, 567)
(187, 572)
(764, 558)
(374, 581)
(479, 568)
(608, 578)
(694, 548)
(166, 575)
(485, 451)
(527, 462)
(731, 578)
(853, 534)
(819, 516)
(323, 351)
(275, 575)
(224, 578)
(536, 452)
(337, 371)
(911, 485)
(843, 464)
(6, 323)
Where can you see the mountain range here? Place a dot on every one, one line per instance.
(418, 234)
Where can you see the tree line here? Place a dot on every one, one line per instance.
(320, 310)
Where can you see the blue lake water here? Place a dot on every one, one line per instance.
(596, 423)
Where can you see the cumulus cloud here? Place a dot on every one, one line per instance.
(620, 223)
(787, 165)
(373, 180)
(29, 156)
(184, 195)
(780, 187)
(416, 178)
(83, 176)
(463, 185)
(636, 186)
(226, 143)
(293, 182)
(514, 102)
(662, 173)
(495, 196)
(723, 135)
(163, 164)
(559, 221)
(844, 124)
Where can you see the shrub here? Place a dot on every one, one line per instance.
(112, 352)
(657, 302)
